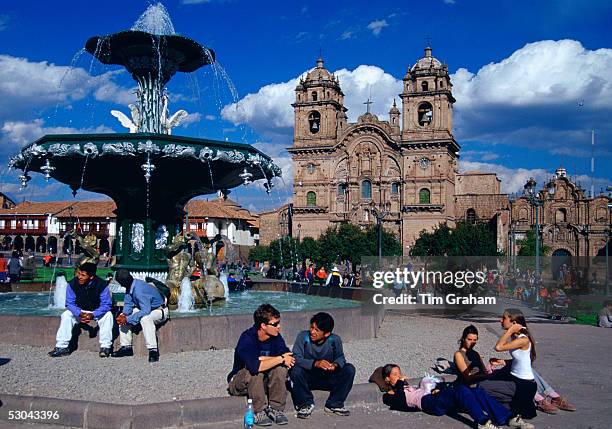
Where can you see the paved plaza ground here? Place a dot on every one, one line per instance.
(575, 359)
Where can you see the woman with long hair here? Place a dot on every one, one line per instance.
(400, 396)
(520, 343)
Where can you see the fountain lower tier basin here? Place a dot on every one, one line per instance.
(218, 327)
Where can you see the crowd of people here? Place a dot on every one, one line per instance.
(502, 392)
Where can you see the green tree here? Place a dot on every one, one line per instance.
(527, 246)
(466, 239)
(309, 248)
(348, 241)
(390, 245)
(259, 253)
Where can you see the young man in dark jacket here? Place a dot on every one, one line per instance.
(88, 299)
(320, 365)
(261, 360)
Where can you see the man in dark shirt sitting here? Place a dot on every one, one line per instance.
(320, 365)
(261, 361)
(88, 299)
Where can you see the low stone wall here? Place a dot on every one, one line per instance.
(204, 332)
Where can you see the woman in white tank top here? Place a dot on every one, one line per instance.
(518, 341)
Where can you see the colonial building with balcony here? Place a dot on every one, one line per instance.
(42, 226)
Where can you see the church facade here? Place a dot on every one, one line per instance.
(402, 171)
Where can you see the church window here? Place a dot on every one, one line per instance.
(314, 95)
(341, 189)
(425, 86)
(441, 84)
(425, 114)
(311, 168)
(311, 199)
(314, 121)
(366, 189)
(395, 188)
(424, 196)
(470, 215)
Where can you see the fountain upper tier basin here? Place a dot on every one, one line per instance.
(142, 53)
(114, 165)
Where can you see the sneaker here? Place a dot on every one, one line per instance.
(277, 416)
(153, 355)
(104, 352)
(488, 425)
(59, 352)
(123, 352)
(262, 419)
(518, 422)
(546, 406)
(562, 403)
(340, 411)
(305, 411)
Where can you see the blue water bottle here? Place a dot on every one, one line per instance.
(249, 415)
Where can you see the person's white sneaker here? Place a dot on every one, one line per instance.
(488, 425)
(518, 422)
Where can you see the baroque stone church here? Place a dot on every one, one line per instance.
(403, 170)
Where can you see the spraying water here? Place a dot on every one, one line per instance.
(223, 279)
(186, 301)
(59, 294)
(155, 20)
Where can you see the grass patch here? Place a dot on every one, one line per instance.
(45, 274)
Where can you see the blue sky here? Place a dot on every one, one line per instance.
(531, 78)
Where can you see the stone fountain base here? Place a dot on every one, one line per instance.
(205, 332)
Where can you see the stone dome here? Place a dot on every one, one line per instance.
(427, 62)
(319, 73)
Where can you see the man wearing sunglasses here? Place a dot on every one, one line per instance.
(261, 362)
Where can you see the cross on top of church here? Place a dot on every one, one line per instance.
(367, 103)
(428, 40)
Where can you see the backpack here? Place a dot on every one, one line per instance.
(161, 287)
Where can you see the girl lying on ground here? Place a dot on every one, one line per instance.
(472, 371)
(485, 410)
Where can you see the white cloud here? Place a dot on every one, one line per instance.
(191, 118)
(26, 86)
(270, 114)
(347, 35)
(540, 74)
(377, 26)
(20, 133)
(513, 179)
(210, 117)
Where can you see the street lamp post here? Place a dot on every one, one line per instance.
(607, 263)
(379, 214)
(537, 200)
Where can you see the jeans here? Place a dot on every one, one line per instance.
(474, 400)
(338, 383)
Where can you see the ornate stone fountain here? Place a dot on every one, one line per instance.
(149, 173)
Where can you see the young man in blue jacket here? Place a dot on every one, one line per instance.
(144, 305)
(88, 299)
(320, 365)
(261, 360)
